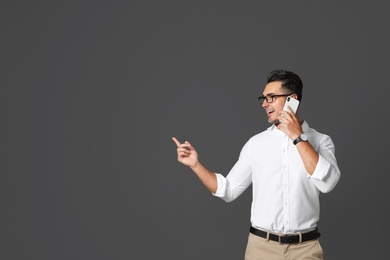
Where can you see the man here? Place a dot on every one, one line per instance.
(288, 165)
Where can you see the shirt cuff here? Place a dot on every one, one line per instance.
(321, 169)
(221, 185)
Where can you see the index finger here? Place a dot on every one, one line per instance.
(176, 141)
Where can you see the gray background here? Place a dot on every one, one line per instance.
(92, 92)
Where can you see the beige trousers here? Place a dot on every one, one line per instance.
(259, 248)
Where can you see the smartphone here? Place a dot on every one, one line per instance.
(292, 103)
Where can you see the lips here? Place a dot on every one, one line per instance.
(269, 112)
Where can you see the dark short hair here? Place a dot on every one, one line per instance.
(289, 79)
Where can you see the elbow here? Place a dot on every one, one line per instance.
(331, 184)
(229, 197)
(326, 189)
(228, 200)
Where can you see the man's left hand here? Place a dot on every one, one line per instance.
(289, 124)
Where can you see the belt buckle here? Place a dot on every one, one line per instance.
(290, 238)
(280, 239)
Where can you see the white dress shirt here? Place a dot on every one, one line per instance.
(285, 196)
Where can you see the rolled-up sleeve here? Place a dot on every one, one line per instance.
(238, 179)
(327, 173)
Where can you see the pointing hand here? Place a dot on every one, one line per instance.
(186, 153)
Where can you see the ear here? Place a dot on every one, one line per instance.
(295, 96)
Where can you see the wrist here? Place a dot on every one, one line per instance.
(295, 136)
(301, 138)
(196, 166)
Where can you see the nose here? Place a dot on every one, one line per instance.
(265, 103)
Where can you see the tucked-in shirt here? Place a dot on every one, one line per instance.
(285, 195)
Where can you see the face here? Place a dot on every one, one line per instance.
(273, 109)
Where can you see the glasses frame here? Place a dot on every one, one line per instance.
(272, 97)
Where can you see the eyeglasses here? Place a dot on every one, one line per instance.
(271, 98)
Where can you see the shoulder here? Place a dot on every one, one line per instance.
(318, 138)
(314, 132)
(260, 136)
(253, 142)
(257, 139)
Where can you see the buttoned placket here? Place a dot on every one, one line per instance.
(285, 171)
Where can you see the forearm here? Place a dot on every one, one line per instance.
(309, 156)
(326, 173)
(207, 177)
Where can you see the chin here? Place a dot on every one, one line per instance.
(272, 121)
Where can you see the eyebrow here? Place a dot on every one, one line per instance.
(268, 94)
